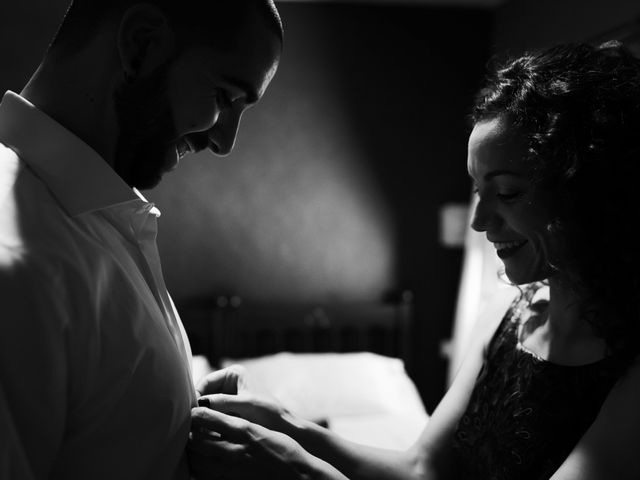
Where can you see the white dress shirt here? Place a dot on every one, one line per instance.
(95, 379)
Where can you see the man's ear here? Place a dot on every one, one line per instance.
(145, 40)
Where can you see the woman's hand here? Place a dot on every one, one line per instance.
(232, 392)
(231, 380)
(224, 446)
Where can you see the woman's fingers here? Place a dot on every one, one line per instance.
(238, 405)
(228, 427)
(230, 380)
(258, 409)
(225, 447)
(232, 447)
(216, 447)
(208, 426)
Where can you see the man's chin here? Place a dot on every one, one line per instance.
(152, 177)
(144, 180)
(144, 170)
(150, 184)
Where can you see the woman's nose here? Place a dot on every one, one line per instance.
(484, 216)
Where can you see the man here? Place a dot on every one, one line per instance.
(94, 364)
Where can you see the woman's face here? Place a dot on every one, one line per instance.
(510, 210)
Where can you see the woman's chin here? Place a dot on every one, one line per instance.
(519, 276)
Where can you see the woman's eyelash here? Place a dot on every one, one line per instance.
(508, 196)
(501, 195)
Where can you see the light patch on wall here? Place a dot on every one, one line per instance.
(454, 223)
(275, 227)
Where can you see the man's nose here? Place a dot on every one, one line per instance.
(222, 136)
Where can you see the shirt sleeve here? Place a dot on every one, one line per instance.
(33, 378)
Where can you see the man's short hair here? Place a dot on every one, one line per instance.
(215, 21)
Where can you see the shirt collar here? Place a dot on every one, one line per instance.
(77, 175)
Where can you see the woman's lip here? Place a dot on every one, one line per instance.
(500, 244)
(508, 249)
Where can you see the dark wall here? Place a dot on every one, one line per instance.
(527, 24)
(26, 28)
(333, 189)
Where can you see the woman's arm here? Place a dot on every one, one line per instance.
(611, 446)
(429, 458)
(432, 452)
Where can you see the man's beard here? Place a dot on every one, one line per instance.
(147, 134)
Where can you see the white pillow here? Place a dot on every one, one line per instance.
(319, 386)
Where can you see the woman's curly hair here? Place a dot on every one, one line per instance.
(578, 108)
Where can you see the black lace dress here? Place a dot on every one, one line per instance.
(526, 414)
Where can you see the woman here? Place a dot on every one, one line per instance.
(552, 390)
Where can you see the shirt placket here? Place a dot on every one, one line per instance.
(145, 228)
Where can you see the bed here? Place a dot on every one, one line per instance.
(342, 365)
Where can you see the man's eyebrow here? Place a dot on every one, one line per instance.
(251, 95)
(496, 173)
